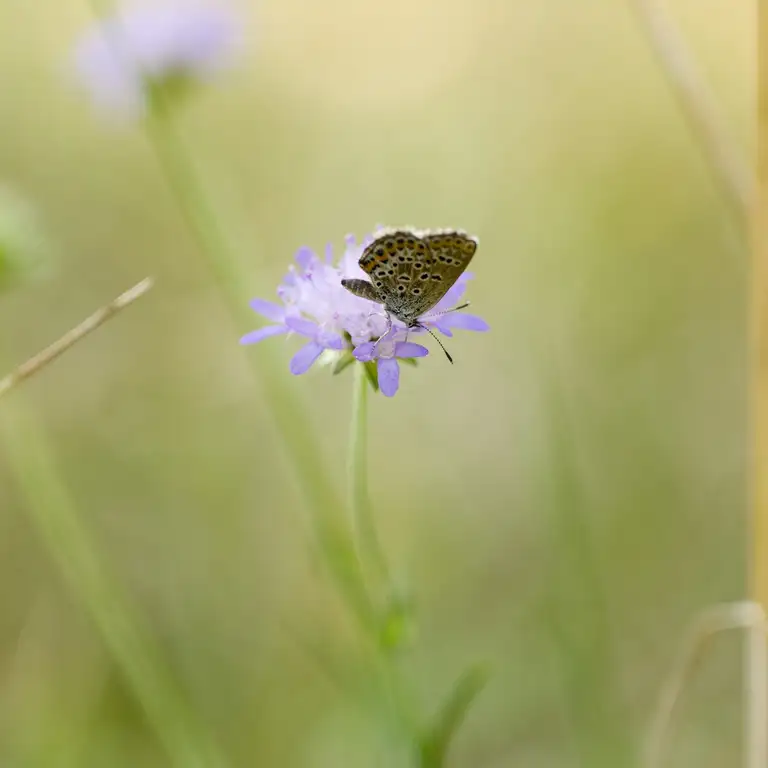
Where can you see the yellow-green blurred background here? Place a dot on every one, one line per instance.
(561, 502)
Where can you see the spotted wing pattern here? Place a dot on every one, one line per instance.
(389, 262)
(451, 253)
(412, 270)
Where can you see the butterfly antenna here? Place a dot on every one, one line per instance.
(446, 311)
(450, 359)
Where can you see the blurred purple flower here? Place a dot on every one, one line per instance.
(141, 47)
(335, 322)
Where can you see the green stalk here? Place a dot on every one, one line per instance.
(55, 515)
(357, 472)
(287, 411)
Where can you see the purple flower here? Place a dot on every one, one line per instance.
(141, 47)
(386, 352)
(338, 325)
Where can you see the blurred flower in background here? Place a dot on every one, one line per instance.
(24, 249)
(138, 51)
(342, 328)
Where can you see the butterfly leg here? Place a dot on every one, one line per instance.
(386, 333)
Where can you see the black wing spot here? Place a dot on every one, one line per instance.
(416, 291)
(418, 265)
(439, 278)
(424, 276)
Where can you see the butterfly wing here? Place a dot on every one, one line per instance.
(389, 261)
(451, 253)
(411, 271)
(363, 289)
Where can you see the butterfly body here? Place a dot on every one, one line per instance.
(410, 271)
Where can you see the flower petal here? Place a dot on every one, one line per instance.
(263, 333)
(389, 376)
(465, 322)
(442, 327)
(268, 309)
(364, 352)
(330, 340)
(452, 297)
(303, 326)
(302, 361)
(305, 256)
(409, 349)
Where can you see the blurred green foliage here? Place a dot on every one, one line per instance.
(561, 502)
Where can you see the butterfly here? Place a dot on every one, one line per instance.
(411, 270)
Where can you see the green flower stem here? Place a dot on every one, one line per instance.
(357, 468)
(55, 515)
(287, 411)
(396, 690)
(437, 740)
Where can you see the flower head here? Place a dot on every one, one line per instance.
(140, 49)
(346, 328)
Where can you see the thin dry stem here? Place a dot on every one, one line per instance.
(699, 104)
(756, 720)
(720, 618)
(756, 693)
(71, 337)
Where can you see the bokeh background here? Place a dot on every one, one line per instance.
(561, 502)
